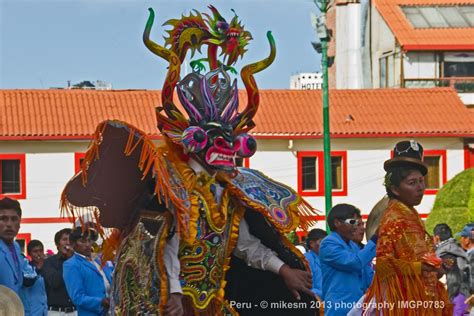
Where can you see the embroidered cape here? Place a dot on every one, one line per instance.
(402, 246)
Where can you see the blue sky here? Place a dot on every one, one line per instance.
(45, 43)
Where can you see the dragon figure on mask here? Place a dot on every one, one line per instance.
(192, 233)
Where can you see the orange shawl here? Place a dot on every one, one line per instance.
(399, 280)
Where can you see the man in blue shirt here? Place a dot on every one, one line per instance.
(313, 241)
(342, 261)
(11, 262)
(33, 292)
(368, 271)
(86, 283)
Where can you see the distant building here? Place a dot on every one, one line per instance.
(89, 85)
(306, 81)
(102, 85)
(402, 44)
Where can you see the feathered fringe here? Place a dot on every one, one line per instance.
(307, 214)
(399, 282)
(160, 245)
(151, 159)
(93, 150)
(110, 245)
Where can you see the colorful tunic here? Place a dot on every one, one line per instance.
(400, 287)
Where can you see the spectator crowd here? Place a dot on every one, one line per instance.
(71, 282)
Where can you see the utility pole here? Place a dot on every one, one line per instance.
(324, 37)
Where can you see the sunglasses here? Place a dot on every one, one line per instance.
(351, 221)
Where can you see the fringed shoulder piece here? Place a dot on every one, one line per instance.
(281, 205)
(118, 166)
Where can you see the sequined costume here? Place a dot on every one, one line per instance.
(402, 246)
(147, 195)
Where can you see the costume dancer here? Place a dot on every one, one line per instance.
(198, 236)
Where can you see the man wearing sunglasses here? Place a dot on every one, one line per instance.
(342, 261)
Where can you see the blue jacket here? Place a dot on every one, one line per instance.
(34, 297)
(85, 285)
(315, 265)
(367, 276)
(11, 275)
(343, 266)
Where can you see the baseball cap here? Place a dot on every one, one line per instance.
(466, 231)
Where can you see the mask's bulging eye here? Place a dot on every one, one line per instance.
(248, 145)
(194, 139)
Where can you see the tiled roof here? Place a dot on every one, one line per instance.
(371, 112)
(65, 114)
(425, 39)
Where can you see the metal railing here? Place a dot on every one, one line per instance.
(461, 84)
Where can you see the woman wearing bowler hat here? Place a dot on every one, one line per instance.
(406, 274)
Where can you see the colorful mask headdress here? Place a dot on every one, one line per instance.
(207, 126)
(214, 131)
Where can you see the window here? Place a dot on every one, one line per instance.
(339, 173)
(436, 176)
(439, 16)
(12, 176)
(387, 71)
(311, 173)
(432, 179)
(78, 159)
(336, 173)
(459, 69)
(23, 240)
(468, 156)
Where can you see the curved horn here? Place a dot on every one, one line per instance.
(172, 76)
(245, 118)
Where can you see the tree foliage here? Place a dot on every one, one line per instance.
(454, 203)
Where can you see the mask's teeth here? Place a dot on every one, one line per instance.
(213, 157)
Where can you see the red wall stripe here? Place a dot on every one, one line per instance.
(46, 220)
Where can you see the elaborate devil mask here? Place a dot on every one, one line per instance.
(211, 102)
(214, 132)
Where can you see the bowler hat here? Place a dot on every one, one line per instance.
(407, 152)
(10, 303)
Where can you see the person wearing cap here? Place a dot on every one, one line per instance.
(11, 263)
(343, 262)
(86, 282)
(467, 238)
(406, 267)
(455, 265)
(467, 243)
(313, 242)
